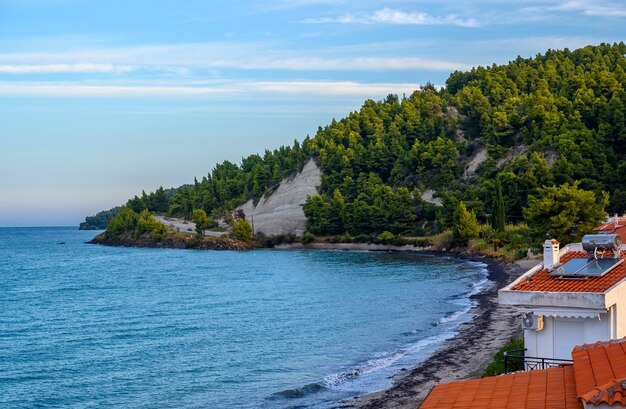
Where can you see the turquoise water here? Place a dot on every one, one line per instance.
(91, 326)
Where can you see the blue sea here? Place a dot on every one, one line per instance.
(83, 325)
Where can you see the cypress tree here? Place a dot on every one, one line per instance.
(498, 215)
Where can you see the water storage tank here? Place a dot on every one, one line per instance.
(612, 242)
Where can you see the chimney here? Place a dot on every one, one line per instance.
(551, 254)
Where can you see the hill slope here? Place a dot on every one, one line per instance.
(553, 119)
(280, 211)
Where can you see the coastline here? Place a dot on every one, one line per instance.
(464, 356)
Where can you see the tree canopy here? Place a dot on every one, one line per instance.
(564, 212)
(553, 121)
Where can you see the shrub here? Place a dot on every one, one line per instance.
(362, 238)
(497, 366)
(124, 221)
(443, 240)
(385, 237)
(307, 238)
(242, 230)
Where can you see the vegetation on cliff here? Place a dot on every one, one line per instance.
(99, 220)
(129, 228)
(498, 139)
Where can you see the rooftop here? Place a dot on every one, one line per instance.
(545, 282)
(597, 377)
(600, 371)
(515, 391)
(615, 225)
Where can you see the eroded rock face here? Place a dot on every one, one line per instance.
(280, 212)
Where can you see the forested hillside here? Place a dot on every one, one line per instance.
(554, 120)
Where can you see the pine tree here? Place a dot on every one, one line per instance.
(465, 225)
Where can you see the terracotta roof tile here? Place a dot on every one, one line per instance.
(598, 369)
(610, 393)
(547, 388)
(544, 282)
(610, 228)
(597, 377)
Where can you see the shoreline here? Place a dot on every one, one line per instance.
(467, 353)
(464, 356)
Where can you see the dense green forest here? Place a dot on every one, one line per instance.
(100, 220)
(491, 140)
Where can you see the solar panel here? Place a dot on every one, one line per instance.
(600, 267)
(572, 266)
(581, 267)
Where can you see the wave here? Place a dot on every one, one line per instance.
(480, 286)
(475, 289)
(455, 315)
(385, 365)
(339, 380)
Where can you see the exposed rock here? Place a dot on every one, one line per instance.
(280, 212)
(479, 158)
(551, 156)
(427, 196)
(513, 153)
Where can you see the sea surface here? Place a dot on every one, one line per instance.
(84, 325)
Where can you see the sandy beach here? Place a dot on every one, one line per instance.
(462, 357)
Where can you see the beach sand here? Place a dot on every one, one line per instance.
(463, 357)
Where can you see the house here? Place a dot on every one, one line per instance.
(576, 296)
(614, 225)
(573, 299)
(595, 379)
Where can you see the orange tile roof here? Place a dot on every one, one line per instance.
(611, 229)
(610, 226)
(552, 388)
(612, 393)
(600, 371)
(543, 281)
(598, 376)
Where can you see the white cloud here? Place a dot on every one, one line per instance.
(397, 17)
(59, 89)
(85, 90)
(349, 64)
(593, 8)
(334, 87)
(181, 58)
(63, 68)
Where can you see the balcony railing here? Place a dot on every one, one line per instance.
(515, 360)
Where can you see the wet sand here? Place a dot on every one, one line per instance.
(463, 357)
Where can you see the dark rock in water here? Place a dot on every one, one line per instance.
(298, 392)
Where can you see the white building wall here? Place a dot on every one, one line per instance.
(616, 299)
(560, 335)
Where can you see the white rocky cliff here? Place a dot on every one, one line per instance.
(281, 211)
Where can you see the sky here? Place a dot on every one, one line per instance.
(100, 100)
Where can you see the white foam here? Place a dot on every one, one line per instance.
(455, 316)
(343, 380)
(384, 366)
(480, 286)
